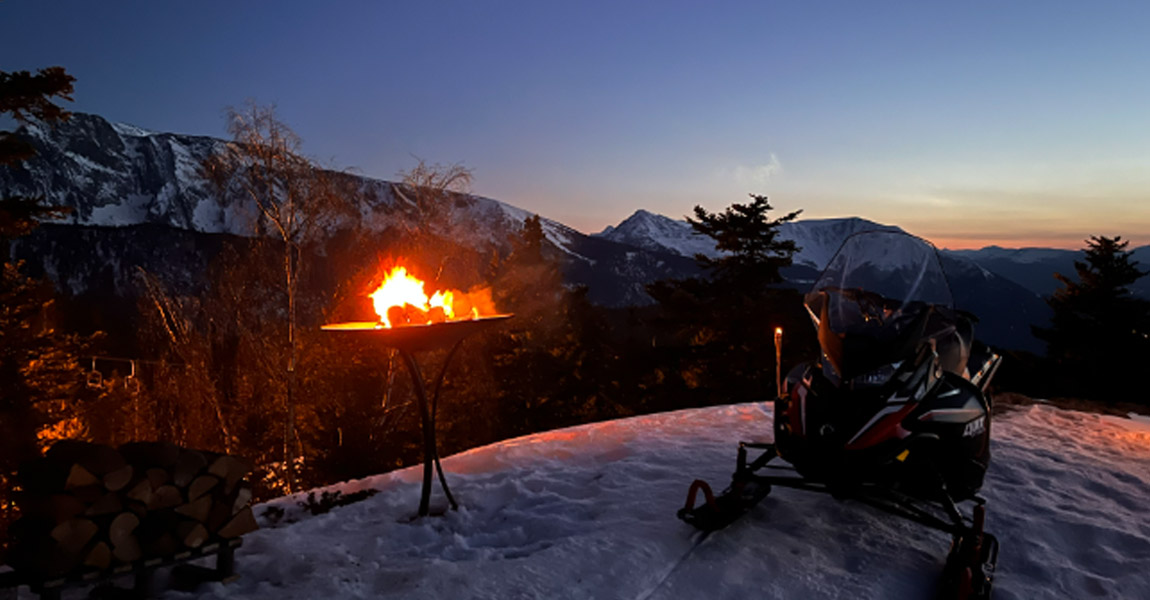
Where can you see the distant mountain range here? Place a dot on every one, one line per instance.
(1006, 310)
(819, 239)
(138, 200)
(1035, 267)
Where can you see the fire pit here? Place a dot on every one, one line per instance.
(411, 322)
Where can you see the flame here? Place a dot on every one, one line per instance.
(401, 300)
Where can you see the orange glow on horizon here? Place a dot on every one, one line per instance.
(964, 243)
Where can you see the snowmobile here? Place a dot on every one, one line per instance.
(894, 413)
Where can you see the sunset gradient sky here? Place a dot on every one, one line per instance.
(970, 123)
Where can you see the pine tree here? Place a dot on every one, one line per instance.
(40, 378)
(720, 327)
(1099, 330)
(754, 254)
(26, 97)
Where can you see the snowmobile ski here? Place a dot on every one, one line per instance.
(746, 490)
(716, 512)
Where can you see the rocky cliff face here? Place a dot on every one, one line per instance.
(115, 176)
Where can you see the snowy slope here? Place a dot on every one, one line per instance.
(589, 512)
(115, 174)
(652, 231)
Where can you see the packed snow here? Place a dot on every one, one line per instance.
(589, 512)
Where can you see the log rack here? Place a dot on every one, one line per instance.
(142, 571)
(410, 340)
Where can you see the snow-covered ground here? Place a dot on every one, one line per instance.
(589, 512)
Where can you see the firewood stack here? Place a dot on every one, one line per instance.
(90, 506)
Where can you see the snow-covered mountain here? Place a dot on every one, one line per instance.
(113, 174)
(645, 229)
(817, 239)
(120, 176)
(1006, 310)
(589, 512)
(138, 198)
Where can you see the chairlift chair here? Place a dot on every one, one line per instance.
(95, 378)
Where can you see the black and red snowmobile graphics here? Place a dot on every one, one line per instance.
(894, 413)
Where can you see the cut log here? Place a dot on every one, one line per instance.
(158, 476)
(218, 516)
(122, 537)
(197, 509)
(243, 498)
(79, 477)
(243, 522)
(89, 494)
(190, 464)
(99, 556)
(166, 496)
(191, 534)
(231, 469)
(201, 485)
(151, 454)
(108, 504)
(127, 550)
(137, 508)
(116, 479)
(74, 535)
(124, 525)
(140, 492)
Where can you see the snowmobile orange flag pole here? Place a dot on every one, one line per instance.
(779, 361)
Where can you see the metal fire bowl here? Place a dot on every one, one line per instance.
(416, 338)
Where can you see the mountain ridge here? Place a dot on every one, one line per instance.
(117, 175)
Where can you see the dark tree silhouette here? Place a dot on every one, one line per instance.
(1099, 331)
(40, 378)
(720, 328)
(749, 237)
(28, 97)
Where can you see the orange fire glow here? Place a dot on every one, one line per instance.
(401, 300)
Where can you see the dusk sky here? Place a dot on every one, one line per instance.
(969, 123)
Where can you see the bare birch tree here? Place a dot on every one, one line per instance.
(296, 203)
(426, 193)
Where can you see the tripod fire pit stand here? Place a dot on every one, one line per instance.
(409, 340)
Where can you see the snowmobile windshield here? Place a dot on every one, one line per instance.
(881, 294)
